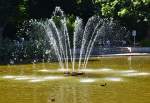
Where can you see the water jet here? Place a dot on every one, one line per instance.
(72, 52)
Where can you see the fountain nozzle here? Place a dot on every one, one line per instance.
(73, 73)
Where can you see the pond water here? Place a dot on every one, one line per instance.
(106, 80)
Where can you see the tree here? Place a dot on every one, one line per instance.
(12, 13)
(132, 13)
(138, 10)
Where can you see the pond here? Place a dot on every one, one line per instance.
(118, 79)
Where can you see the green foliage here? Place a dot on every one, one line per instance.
(70, 19)
(129, 12)
(13, 11)
(123, 12)
(137, 9)
(57, 19)
(78, 1)
(23, 9)
(70, 23)
(107, 10)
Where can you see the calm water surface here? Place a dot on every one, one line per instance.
(106, 80)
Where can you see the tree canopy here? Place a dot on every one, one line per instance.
(132, 13)
(135, 10)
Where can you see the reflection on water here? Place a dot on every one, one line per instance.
(113, 79)
(136, 74)
(32, 78)
(38, 83)
(70, 94)
(87, 80)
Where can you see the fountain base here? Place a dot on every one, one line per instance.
(73, 73)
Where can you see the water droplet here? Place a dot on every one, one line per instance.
(11, 61)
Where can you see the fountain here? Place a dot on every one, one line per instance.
(78, 50)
